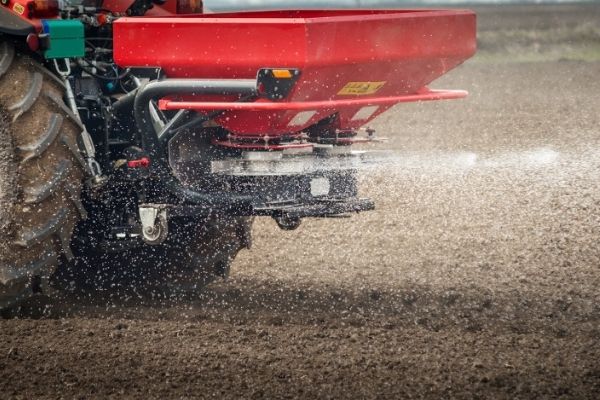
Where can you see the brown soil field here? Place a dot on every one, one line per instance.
(477, 276)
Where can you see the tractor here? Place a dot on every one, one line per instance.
(147, 135)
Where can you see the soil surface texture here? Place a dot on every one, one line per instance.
(477, 276)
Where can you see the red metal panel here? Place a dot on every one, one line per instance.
(401, 51)
(209, 47)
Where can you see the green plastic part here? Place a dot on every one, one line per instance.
(66, 37)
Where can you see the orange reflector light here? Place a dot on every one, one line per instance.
(189, 6)
(282, 73)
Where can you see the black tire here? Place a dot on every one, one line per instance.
(40, 176)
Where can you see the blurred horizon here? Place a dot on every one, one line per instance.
(218, 5)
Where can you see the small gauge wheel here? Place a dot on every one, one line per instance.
(156, 234)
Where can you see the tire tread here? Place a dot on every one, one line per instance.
(46, 204)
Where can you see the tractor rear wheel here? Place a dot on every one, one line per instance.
(40, 176)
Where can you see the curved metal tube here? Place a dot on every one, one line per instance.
(157, 89)
(152, 144)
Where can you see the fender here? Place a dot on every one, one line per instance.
(12, 24)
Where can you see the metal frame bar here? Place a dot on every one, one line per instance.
(425, 95)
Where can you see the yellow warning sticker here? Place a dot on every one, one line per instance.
(18, 8)
(361, 88)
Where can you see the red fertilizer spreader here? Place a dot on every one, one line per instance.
(156, 132)
(335, 69)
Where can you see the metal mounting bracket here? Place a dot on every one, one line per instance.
(88, 144)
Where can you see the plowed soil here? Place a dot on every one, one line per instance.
(477, 276)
